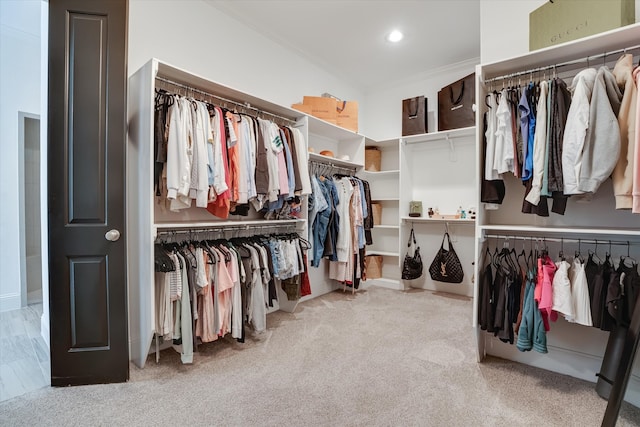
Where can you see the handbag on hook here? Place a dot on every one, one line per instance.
(412, 266)
(446, 266)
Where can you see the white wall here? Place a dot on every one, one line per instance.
(504, 27)
(20, 89)
(384, 105)
(201, 39)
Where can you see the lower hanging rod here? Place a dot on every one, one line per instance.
(224, 229)
(562, 240)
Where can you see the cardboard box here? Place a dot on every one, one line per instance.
(566, 20)
(332, 110)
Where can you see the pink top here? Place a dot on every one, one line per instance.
(544, 290)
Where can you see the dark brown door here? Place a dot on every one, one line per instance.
(86, 144)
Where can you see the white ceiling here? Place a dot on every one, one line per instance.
(347, 37)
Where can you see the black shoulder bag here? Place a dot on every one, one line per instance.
(412, 266)
(446, 266)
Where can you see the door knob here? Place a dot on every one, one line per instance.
(112, 235)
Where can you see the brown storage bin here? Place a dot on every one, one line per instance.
(373, 266)
(372, 159)
(377, 213)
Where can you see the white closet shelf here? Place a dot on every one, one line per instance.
(540, 231)
(333, 161)
(383, 253)
(197, 82)
(387, 143)
(329, 130)
(438, 136)
(381, 173)
(423, 219)
(596, 44)
(386, 227)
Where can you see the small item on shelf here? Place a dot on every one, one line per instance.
(373, 266)
(327, 153)
(377, 213)
(372, 157)
(415, 208)
(451, 216)
(345, 157)
(471, 213)
(312, 150)
(430, 213)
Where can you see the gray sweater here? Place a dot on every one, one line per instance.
(602, 141)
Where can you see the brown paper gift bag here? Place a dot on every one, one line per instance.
(347, 114)
(322, 108)
(301, 107)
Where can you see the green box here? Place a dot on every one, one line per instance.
(565, 20)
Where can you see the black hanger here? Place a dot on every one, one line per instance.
(628, 257)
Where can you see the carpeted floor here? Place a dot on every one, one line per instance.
(380, 357)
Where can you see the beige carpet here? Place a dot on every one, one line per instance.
(381, 357)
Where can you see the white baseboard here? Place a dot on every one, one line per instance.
(394, 284)
(10, 302)
(44, 329)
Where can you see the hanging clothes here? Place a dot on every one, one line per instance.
(623, 173)
(225, 161)
(209, 289)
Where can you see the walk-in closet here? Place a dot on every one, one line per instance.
(320, 213)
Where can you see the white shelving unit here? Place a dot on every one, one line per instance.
(573, 350)
(348, 150)
(148, 218)
(438, 169)
(384, 186)
(445, 135)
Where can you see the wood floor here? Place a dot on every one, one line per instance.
(24, 356)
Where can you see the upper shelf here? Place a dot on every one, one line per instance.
(441, 135)
(384, 172)
(179, 75)
(387, 143)
(333, 161)
(329, 130)
(597, 44)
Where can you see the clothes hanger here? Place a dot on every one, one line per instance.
(628, 257)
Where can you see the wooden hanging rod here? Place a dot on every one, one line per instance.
(172, 86)
(586, 59)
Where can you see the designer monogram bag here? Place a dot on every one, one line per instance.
(412, 266)
(446, 266)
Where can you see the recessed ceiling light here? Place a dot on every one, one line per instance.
(395, 36)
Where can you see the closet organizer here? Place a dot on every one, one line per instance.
(186, 216)
(587, 228)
